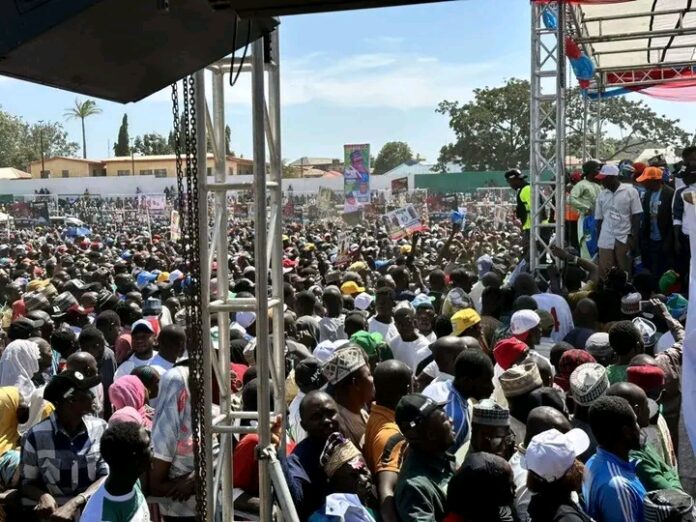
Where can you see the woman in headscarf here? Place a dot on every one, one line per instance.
(9, 437)
(19, 364)
(130, 391)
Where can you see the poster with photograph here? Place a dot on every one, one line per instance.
(402, 222)
(356, 176)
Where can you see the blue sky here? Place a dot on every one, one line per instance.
(353, 77)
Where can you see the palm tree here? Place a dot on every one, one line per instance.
(83, 110)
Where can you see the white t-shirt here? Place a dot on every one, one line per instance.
(331, 328)
(161, 364)
(132, 362)
(439, 389)
(103, 507)
(411, 353)
(615, 210)
(558, 307)
(388, 331)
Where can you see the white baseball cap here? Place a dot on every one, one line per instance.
(523, 320)
(550, 454)
(325, 350)
(607, 170)
(363, 301)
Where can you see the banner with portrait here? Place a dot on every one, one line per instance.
(153, 202)
(399, 185)
(175, 226)
(39, 211)
(356, 176)
(402, 222)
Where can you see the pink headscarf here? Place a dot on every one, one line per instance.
(130, 391)
(19, 309)
(127, 414)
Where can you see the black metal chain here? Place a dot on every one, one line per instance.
(189, 219)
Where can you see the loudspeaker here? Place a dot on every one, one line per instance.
(119, 50)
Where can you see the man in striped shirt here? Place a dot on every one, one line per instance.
(61, 461)
(612, 490)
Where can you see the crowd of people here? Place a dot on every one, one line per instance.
(429, 378)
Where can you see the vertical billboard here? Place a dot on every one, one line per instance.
(356, 176)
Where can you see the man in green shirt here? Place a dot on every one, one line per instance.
(582, 198)
(654, 473)
(421, 489)
(523, 211)
(125, 446)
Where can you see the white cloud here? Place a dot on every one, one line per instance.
(391, 80)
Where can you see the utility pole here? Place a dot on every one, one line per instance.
(41, 137)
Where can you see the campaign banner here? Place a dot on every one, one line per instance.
(402, 222)
(153, 202)
(325, 198)
(39, 211)
(343, 255)
(175, 226)
(399, 185)
(356, 176)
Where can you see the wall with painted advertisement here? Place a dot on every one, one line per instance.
(356, 176)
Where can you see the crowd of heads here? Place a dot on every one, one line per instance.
(430, 376)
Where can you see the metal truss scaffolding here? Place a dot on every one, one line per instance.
(547, 133)
(268, 306)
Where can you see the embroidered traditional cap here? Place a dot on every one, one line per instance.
(519, 380)
(489, 413)
(666, 505)
(647, 330)
(337, 451)
(630, 304)
(343, 363)
(588, 382)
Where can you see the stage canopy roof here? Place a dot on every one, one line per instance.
(637, 44)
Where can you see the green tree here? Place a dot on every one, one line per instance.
(152, 144)
(491, 131)
(628, 127)
(122, 145)
(51, 139)
(21, 143)
(228, 140)
(393, 154)
(81, 111)
(171, 140)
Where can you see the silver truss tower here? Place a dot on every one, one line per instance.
(547, 132)
(265, 75)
